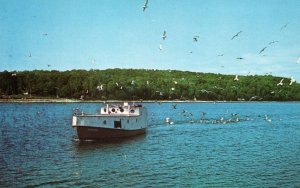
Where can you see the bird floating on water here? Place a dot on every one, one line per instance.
(236, 35)
(169, 121)
(202, 115)
(239, 58)
(164, 36)
(268, 119)
(145, 5)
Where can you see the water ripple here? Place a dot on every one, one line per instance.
(207, 145)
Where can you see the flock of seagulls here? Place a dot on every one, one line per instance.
(196, 39)
(292, 80)
(100, 88)
(189, 117)
(280, 83)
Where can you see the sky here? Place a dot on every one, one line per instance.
(102, 34)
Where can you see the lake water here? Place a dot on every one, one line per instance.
(208, 145)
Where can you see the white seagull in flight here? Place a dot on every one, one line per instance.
(236, 78)
(284, 26)
(280, 83)
(236, 35)
(145, 5)
(160, 47)
(292, 80)
(272, 42)
(164, 36)
(100, 88)
(262, 50)
(196, 38)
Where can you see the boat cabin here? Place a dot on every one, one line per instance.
(125, 109)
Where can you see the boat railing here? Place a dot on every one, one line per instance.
(116, 109)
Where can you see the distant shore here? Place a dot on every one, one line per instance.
(63, 100)
(39, 100)
(48, 100)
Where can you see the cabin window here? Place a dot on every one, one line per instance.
(104, 122)
(121, 110)
(132, 111)
(113, 110)
(104, 110)
(117, 124)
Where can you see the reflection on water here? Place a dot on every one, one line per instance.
(86, 145)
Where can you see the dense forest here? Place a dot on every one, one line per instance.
(140, 84)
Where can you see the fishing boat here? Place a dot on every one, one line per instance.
(112, 121)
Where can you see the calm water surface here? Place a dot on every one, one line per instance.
(208, 145)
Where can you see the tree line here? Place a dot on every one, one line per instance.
(142, 84)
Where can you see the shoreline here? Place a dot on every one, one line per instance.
(120, 101)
